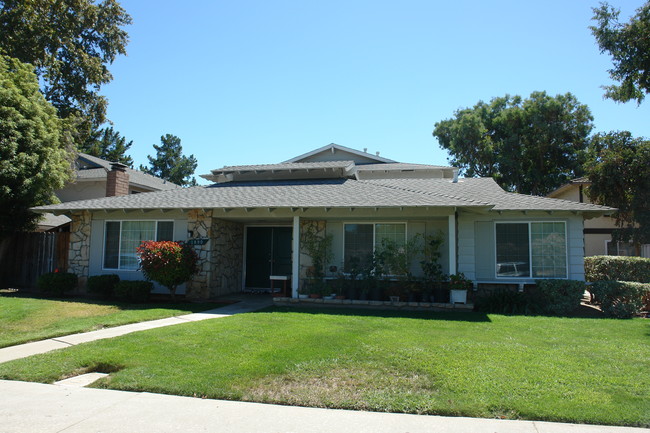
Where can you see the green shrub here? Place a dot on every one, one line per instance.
(133, 291)
(560, 297)
(103, 284)
(504, 301)
(617, 268)
(56, 283)
(620, 299)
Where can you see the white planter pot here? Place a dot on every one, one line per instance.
(458, 297)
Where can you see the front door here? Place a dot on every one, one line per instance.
(268, 252)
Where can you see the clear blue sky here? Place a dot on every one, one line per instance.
(253, 82)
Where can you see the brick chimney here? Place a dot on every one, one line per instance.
(117, 180)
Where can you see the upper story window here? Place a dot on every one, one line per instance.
(122, 238)
(531, 250)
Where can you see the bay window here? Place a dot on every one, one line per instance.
(531, 250)
(122, 238)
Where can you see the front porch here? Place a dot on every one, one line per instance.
(254, 250)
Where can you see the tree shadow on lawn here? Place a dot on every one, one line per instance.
(402, 314)
(155, 302)
(581, 312)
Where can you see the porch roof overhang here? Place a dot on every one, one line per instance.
(474, 195)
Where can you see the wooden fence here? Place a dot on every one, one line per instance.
(26, 256)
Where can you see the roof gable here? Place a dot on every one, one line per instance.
(336, 152)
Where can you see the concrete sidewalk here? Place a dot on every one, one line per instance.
(246, 305)
(35, 408)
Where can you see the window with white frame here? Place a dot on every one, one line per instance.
(122, 238)
(361, 239)
(531, 249)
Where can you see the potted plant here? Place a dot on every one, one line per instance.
(318, 249)
(432, 270)
(315, 287)
(458, 286)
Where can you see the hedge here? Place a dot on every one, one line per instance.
(620, 299)
(133, 291)
(617, 268)
(560, 297)
(56, 283)
(102, 284)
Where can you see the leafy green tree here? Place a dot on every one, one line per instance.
(530, 146)
(619, 170)
(170, 163)
(35, 155)
(70, 43)
(108, 144)
(629, 45)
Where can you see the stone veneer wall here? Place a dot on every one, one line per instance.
(320, 227)
(199, 222)
(227, 257)
(79, 254)
(220, 259)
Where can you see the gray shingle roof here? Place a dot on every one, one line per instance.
(476, 193)
(284, 166)
(487, 190)
(136, 177)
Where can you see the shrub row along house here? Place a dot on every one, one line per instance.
(247, 225)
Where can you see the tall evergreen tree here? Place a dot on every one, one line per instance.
(35, 150)
(108, 144)
(170, 163)
(70, 43)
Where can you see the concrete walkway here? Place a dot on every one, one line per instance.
(246, 305)
(39, 408)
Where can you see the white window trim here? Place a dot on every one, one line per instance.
(374, 234)
(104, 268)
(530, 250)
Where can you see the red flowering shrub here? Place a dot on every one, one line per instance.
(168, 263)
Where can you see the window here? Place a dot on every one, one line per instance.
(531, 249)
(620, 249)
(362, 239)
(123, 237)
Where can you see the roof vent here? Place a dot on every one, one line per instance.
(365, 150)
(377, 153)
(455, 179)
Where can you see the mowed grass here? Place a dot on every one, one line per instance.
(24, 319)
(538, 368)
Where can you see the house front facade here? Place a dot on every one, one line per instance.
(598, 231)
(247, 225)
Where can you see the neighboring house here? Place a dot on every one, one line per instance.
(246, 226)
(598, 231)
(96, 178)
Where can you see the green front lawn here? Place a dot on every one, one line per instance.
(24, 319)
(540, 368)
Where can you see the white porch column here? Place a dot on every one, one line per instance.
(452, 243)
(295, 257)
